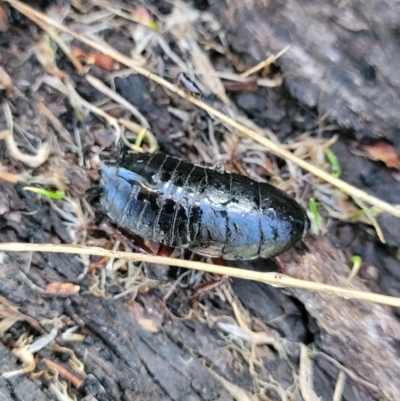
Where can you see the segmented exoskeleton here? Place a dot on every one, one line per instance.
(212, 213)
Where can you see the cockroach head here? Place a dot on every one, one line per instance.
(94, 192)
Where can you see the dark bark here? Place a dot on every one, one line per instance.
(342, 61)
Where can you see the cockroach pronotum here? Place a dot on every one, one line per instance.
(211, 213)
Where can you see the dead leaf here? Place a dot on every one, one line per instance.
(384, 152)
(62, 289)
(247, 85)
(71, 378)
(102, 60)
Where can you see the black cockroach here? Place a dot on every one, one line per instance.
(211, 213)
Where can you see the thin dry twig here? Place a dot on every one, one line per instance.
(270, 145)
(34, 161)
(306, 375)
(275, 279)
(71, 378)
(265, 63)
(341, 381)
(234, 390)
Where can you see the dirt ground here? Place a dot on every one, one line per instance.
(79, 327)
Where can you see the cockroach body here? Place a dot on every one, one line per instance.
(211, 213)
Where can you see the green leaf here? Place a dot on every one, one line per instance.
(315, 213)
(48, 194)
(335, 165)
(356, 260)
(152, 25)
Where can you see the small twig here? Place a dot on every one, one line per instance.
(275, 279)
(306, 375)
(71, 378)
(341, 381)
(268, 61)
(33, 161)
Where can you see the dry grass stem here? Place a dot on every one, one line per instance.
(371, 218)
(265, 63)
(274, 279)
(234, 390)
(306, 375)
(33, 161)
(341, 381)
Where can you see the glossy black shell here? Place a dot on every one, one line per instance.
(215, 214)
